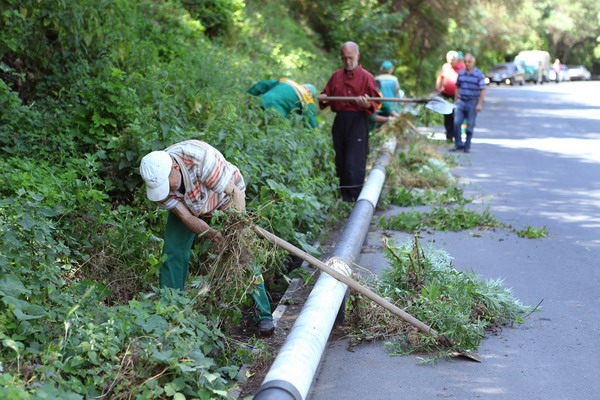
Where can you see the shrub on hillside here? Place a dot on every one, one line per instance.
(86, 89)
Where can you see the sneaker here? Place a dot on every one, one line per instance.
(466, 150)
(265, 327)
(457, 149)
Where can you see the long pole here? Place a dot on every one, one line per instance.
(378, 99)
(352, 284)
(293, 370)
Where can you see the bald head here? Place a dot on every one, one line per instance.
(350, 55)
(350, 46)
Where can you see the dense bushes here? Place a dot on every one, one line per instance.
(86, 89)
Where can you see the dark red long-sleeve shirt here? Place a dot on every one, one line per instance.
(351, 84)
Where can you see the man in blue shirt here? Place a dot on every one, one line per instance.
(470, 93)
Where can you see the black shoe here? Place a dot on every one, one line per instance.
(457, 149)
(265, 327)
(466, 150)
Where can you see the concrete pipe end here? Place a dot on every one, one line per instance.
(277, 390)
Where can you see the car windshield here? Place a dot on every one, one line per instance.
(501, 67)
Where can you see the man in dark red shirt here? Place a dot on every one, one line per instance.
(351, 125)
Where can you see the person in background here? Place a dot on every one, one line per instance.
(556, 69)
(351, 125)
(383, 115)
(287, 96)
(192, 180)
(388, 84)
(469, 97)
(461, 60)
(461, 66)
(445, 84)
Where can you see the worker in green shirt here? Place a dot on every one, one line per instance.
(287, 96)
(384, 114)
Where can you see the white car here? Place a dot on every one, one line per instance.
(579, 73)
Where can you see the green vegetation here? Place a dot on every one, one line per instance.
(88, 87)
(404, 197)
(530, 232)
(154, 347)
(417, 35)
(418, 165)
(86, 90)
(440, 218)
(425, 284)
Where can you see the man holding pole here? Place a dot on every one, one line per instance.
(351, 125)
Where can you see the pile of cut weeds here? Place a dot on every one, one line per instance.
(440, 218)
(424, 283)
(231, 269)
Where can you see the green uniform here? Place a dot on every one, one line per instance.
(286, 96)
(385, 110)
(177, 246)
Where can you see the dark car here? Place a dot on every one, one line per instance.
(509, 73)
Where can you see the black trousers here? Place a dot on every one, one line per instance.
(449, 118)
(351, 145)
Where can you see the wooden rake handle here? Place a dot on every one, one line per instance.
(378, 99)
(353, 284)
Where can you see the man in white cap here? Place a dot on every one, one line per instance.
(192, 180)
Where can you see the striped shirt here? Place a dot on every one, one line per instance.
(209, 175)
(470, 85)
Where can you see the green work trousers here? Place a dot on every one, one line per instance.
(177, 246)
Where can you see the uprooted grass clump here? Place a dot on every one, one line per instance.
(440, 218)
(409, 197)
(530, 232)
(419, 165)
(425, 284)
(231, 268)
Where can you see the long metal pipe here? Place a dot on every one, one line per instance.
(293, 370)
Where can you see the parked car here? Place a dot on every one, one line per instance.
(509, 73)
(563, 74)
(579, 73)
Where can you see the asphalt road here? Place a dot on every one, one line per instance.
(535, 161)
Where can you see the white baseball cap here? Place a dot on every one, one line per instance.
(155, 169)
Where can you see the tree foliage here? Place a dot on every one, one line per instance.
(573, 30)
(416, 35)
